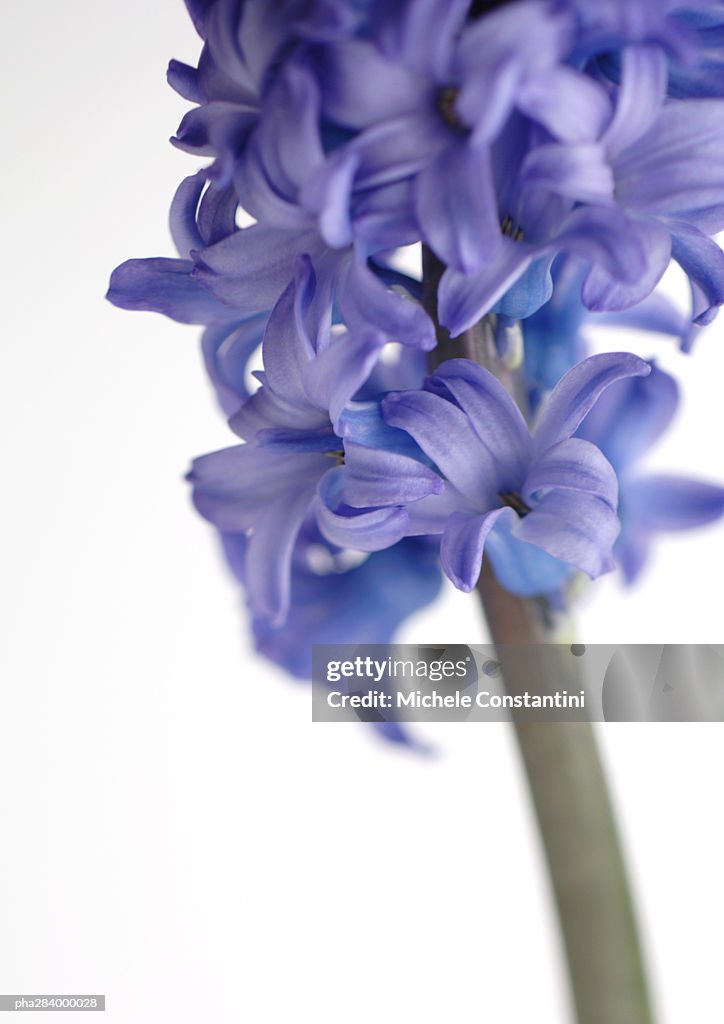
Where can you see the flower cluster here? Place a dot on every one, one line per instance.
(553, 157)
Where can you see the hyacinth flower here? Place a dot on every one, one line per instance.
(552, 157)
(555, 335)
(201, 214)
(338, 599)
(242, 43)
(625, 423)
(507, 487)
(646, 191)
(307, 454)
(251, 267)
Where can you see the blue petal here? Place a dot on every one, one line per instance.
(264, 493)
(183, 79)
(578, 391)
(630, 416)
(572, 106)
(665, 503)
(182, 215)
(703, 261)
(493, 414)
(457, 207)
(573, 464)
(573, 526)
(348, 527)
(446, 435)
(226, 351)
(365, 302)
(250, 269)
(464, 298)
(640, 98)
(463, 541)
(522, 568)
(374, 477)
(166, 286)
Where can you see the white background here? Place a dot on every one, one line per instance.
(175, 831)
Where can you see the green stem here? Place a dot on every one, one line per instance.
(563, 767)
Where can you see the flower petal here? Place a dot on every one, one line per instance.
(464, 298)
(494, 416)
(573, 464)
(446, 436)
(374, 477)
(366, 302)
(166, 286)
(661, 502)
(644, 75)
(461, 548)
(227, 350)
(522, 568)
(630, 416)
(457, 207)
(703, 261)
(576, 527)
(250, 269)
(577, 392)
(348, 527)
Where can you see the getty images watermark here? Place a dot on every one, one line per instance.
(604, 682)
(44, 1004)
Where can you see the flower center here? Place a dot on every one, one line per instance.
(511, 230)
(480, 7)
(512, 500)
(446, 98)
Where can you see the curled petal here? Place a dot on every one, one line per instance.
(493, 414)
(630, 416)
(576, 527)
(575, 465)
(463, 541)
(446, 436)
(577, 392)
(348, 527)
(376, 477)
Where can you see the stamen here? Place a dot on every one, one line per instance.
(337, 454)
(480, 7)
(446, 106)
(512, 230)
(512, 500)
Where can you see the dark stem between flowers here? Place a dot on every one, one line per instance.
(561, 760)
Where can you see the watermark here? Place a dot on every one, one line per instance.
(48, 1003)
(544, 682)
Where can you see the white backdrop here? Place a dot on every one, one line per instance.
(176, 832)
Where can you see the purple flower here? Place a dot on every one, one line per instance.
(648, 189)
(309, 453)
(339, 599)
(251, 268)
(626, 422)
(555, 337)
(546, 490)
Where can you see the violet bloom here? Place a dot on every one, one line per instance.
(555, 335)
(544, 490)
(338, 599)
(251, 268)
(426, 91)
(625, 424)
(202, 213)
(308, 453)
(647, 189)
(243, 41)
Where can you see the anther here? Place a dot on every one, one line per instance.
(512, 500)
